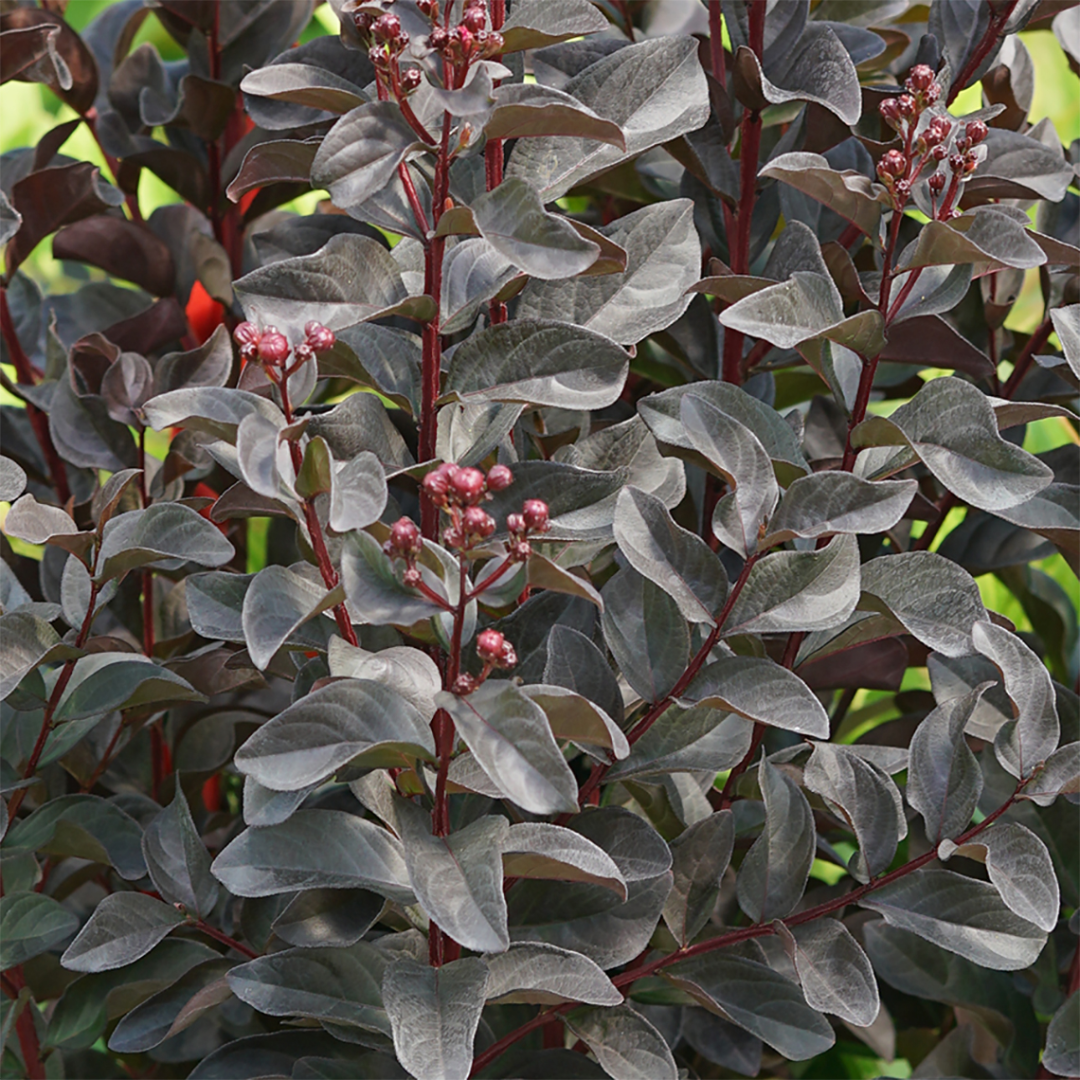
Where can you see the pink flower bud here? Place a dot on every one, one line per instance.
(462, 35)
(246, 334)
(940, 152)
(468, 486)
(478, 522)
(535, 514)
(956, 163)
(386, 27)
(499, 478)
(894, 163)
(492, 44)
(362, 20)
(508, 659)
(976, 131)
(303, 353)
(474, 19)
(889, 110)
(319, 337)
(908, 106)
(489, 645)
(405, 537)
(920, 78)
(273, 346)
(937, 183)
(438, 39)
(436, 484)
(515, 524)
(463, 684)
(412, 577)
(411, 80)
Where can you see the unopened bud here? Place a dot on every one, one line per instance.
(920, 78)
(438, 39)
(386, 27)
(405, 537)
(411, 80)
(937, 183)
(976, 131)
(889, 110)
(412, 577)
(273, 346)
(932, 94)
(956, 163)
(463, 684)
(303, 353)
(908, 107)
(246, 334)
(478, 522)
(515, 524)
(362, 20)
(940, 152)
(462, 35)
(489, 645)
(474, 19)
(468, 486)
(436, 484)
(894, 163)
(319, 337)
(499, 478)
(535, 514)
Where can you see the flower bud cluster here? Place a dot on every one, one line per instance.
(383, 35)
(495, 652)
(470, 40)
(271, 347)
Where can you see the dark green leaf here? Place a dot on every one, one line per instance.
(30, 924)
(177, 859)
(123, 927)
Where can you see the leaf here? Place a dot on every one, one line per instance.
(28, 642)
(573, 716)
(789, 312)
(1062, 1054)
(1018, 166)
(354, 720)
(37, 523)
(1051, 513)
(308, 84)
(1060, 775)
(473, 273)
(407, 671)
(391, 361)
(177, 859)
(699, 857)
(123, 927)
(662, 413)
(849, 193)
(635, 846)
(512, 219)
(214, 410)
(935, 600)
(120, 247)
(84, 826)
(435, 1013)
(774, 872)
(12, 480)
(663, 253)
(1066, 321)
(30, 924)
(944, 778)
(512, 742)
(373, 586)
(961, 915)
(758, 999)
(655, 91)
(799, 590)
(986, 237)
(162, 531)
(627, 1046)
(350, 279)
(736, 453)
(361, 152)
(700, 739)
(835, 973)
(950, 425)
(538, 362)
(826, 503)
(105, 681)
(582, 918)
(645, 632)
(912, 338)
(341, 985)
(315, 849)
(536, 23)
(761, 690)
(328, 917)
(1020, 869)
(529, 109)
(546, 975)
(277, 603)
(1024, 743)
(865, 797)
(458, 878)
(574, 662)
(672, 557)
(539, 850)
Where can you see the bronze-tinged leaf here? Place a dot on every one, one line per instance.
(80, 86)
(125, 249)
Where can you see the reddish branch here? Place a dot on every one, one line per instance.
(988, 42)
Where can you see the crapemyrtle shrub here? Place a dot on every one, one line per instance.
(594, 598)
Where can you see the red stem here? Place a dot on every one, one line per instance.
(24, 1028)
(982, 50)
(660, 707)
(716, 42)
(217, 935)
(311, 519)
(749, 148)
(27, 375)
(1023, 362)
